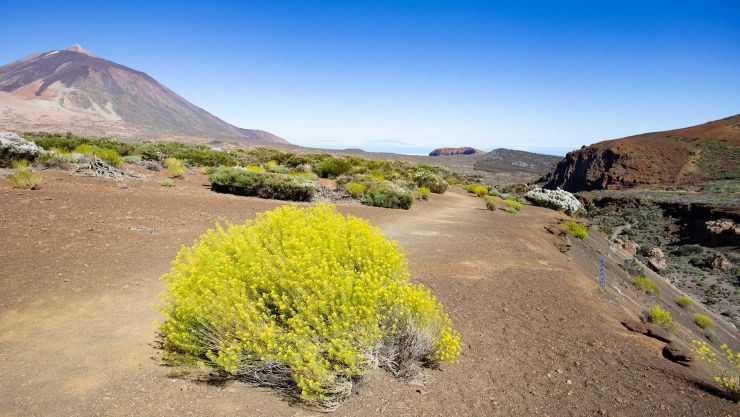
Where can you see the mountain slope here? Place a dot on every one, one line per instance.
(710, 151)
(74, 90)
(512, 160)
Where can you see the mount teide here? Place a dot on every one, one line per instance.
(74, 90)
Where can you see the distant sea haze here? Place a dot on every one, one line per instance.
(408, 149)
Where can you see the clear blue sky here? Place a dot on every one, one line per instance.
(518, 74)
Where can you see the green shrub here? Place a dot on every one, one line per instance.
(23, 176)
(131, 159)
(512, 206)
(684, 301)
(333, 167)
(355, 189)
(661, 317)
(491, 202)
(305, 176)
(710, 335)
(109, 156)
(574, 229)
(388, 195)
(305, 300)
(263, 185)
(85, 149)
(646, 285)
(633, 267)
(429, 179)
(166, 183)
(702, 321)
(175, 168)
(494, 193)
(479, 190)
(423, 193)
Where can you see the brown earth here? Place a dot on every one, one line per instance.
(710, 151)
(81, 258)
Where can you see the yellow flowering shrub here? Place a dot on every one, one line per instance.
(726, 370)
(575, 229)
(660, 316)
(305, 299)
(175, 167)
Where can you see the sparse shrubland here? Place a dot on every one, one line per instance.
(304, 300)
(660, 316)
(574, 229)
(24, 177)
(645, 285)
(387, 183)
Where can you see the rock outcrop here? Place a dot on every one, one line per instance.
(699, 153)
(465, 150)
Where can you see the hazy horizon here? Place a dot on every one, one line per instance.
(525, 75)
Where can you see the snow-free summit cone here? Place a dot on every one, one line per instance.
(75, 90)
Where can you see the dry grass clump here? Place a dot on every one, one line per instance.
(304, 300)
(684, 301)
(575, 229)
(24, 177)
(703, 321)
(646, 285)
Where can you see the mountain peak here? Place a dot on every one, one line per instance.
(78, 48)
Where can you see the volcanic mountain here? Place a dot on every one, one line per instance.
(74, 90)
(710, 151)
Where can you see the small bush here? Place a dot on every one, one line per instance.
(646, 285)
(175, 167)
(511, 210)
(388, 195)
(333, 167)
(305, 300)
(166, 183)
(479, 190)
(684, 301)
(85, 149)
(512, 206)
(355, 189)
(132, 159)
(24, 177)
(574, 229)
(491, 202)
(263, 185)
(560, 200)
(633, 267)
(661, 317)
(710, 335)
(726, 372)
(15, 148)
(109, 156)
(423, 193)
(429, 179)
(703, 321)
(494, 193)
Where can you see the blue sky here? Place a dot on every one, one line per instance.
(530, 75)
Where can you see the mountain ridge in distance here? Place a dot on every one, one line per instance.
(74, 90)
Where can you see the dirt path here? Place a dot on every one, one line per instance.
(76, 332)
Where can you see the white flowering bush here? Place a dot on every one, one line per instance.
(15, 148)
(559, 199)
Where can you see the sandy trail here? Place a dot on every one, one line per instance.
(76, 332)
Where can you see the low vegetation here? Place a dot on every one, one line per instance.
(512, 206)
(24, 177)
(726, 369)
(260, 184)
(305, 300)
(166, 183)
(290, 176)
(646, 285)
(175, 167)
(491, 202)
(575, 229)
(477, 189)
(684, 301)
(423, 193)
(660, 316)
(560, 200)
(703, 321)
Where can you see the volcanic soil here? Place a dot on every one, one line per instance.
(80, 261)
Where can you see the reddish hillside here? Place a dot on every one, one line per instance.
(704, 152)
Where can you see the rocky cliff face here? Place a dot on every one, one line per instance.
(512, 160)
(465, 150)
(700, 153)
